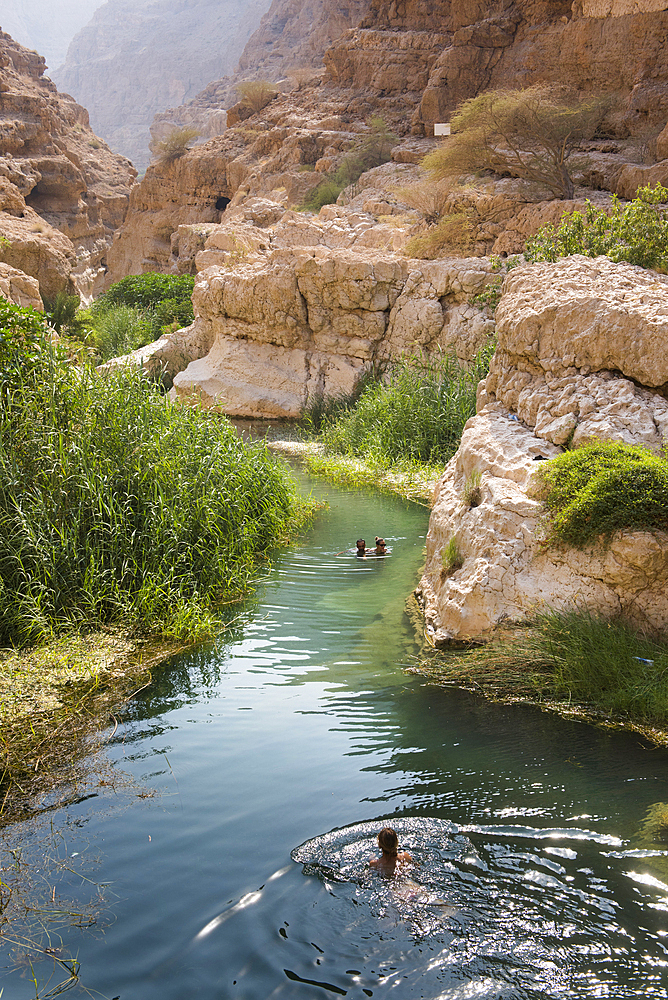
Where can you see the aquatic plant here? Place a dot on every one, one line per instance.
(593, 491)
(578, 655)
(118, 506)
(416, 412)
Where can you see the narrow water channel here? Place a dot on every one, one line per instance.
(236, 861)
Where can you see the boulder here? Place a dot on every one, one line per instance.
(19, 288)
(506, 573)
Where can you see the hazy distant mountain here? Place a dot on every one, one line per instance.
(138, 57)
(46, 25)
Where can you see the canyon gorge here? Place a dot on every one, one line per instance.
(291, 305)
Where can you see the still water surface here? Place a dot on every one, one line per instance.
(302, 735)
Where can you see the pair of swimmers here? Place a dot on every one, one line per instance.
(380, 549)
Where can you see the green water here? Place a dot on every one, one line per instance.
(233, 859)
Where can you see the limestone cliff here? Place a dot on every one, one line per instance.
(437, 54)
(290, 41)
(289, 307)
(137, 57)
(62, 191)
(582, 355)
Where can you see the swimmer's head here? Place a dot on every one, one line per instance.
(361, 544)
(380, 542)
(388, 841)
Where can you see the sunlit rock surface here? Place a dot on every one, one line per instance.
(298, 306)
(62, 191)
(582, 355)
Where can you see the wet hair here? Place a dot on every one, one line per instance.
(361, 544)
(388, 841)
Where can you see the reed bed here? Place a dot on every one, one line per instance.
(415, 414)
(574, 656)
(118, 507)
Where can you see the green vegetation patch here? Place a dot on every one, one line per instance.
(574, 655)
(118, 506)
(416, 413)
(372, 150)
(636, 232)
(131, 314)
(591, 492)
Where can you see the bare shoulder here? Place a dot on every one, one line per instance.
(404, 856)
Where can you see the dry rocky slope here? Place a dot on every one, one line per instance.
(582, 355)
(137, 57)
(63, 192)
(291, 40)
(411, 63)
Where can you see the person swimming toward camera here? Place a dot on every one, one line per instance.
(361, 547)
(391, 856)
(381, 549)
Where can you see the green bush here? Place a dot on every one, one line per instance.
(133, 312)
(146, 290)
(636, 233)
(594, 491)
(417, 414)
(372, 150)
(117, 506)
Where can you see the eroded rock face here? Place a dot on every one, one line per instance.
(62, 191)
(138, 57)
(287, 46)
(506, 574)
(296, 306)
(582, 355)
(19, 288)
(565, 332)
(597, 46)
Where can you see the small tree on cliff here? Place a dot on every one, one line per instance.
(525, 133)
(176, 144)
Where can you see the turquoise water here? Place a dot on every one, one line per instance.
(233, 860)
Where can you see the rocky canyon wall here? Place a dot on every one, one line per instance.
(138, 57)
(582, 355)
(289, 44)
(63, 192)
(604, 45)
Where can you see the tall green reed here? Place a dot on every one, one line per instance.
(416, 413)
(118, 506)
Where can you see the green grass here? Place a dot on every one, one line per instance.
(117, 506)
(416, 414)
(577, 656)
(591, 492)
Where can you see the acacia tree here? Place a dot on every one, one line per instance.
(528, 133)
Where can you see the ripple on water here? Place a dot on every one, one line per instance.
(480, 912)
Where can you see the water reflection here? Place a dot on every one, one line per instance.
(534, 877)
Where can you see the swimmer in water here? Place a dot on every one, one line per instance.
(381, 550)
(389, 845)
(361, 547)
